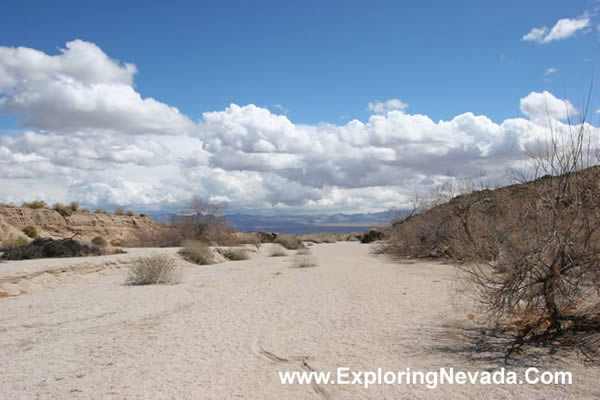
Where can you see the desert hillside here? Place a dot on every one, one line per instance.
(49, 223)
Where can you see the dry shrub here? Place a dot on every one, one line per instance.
(63, 210)
(99, 241)
(197, 252)
(164, 236)
(531, 251)
(372, 236)
(252, 238)
(153, 270)
(12, 242)
(289, 241)
(74, 206)
(304, 260)
(278, 251)
(234, 254)
(99, 211)
(84, 210)
(37, 204)
(30, 231)
(130, 213)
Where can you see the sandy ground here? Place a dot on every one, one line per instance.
(226, 330)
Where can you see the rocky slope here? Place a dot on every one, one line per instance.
(50, 223)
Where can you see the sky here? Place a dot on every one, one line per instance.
(270, 106)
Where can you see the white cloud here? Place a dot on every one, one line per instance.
(95, 139)
(564, 28)
(550, 71)
(544, 105)
(380, 107)
(81, 89)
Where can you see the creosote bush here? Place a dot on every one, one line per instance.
(30, 231)
(196, 252)
(153, 270)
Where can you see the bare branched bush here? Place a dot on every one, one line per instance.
(153, 270)
(164, 236)
(204, 222)
(197, 252)
(544, 278)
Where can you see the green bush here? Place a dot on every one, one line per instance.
(196, 252)
(130, 213)
(30, 231)
(84, 210)
(99, 211)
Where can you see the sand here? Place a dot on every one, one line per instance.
(226, 330)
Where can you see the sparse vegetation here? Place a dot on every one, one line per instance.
(62, 209)
(196, 252)
(30, 231)
(164, 236)
(36, 205)
(99, 211)
(278, 251)
(130, 213)
(119, 211)
(289, 241)
(74, 206)
(46, 248)
(303, 259)
(234, 254)
(531, 251)
(12, 242)
(153, 270)
(99, 241)
(84, 210)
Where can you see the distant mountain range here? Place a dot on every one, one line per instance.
(299, 224)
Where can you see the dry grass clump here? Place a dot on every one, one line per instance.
(30, 231)
(278, 251)
(196, 252)
(99, 241)
(153, 270)
(234, 254)
(249, 238)
(303, 259)
(289, 241)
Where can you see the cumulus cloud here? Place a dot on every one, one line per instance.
(544, 105)
(564, 28)
(381, 107)
(81, 89)
(92, 137)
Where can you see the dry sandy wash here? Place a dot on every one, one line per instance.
(226, 330)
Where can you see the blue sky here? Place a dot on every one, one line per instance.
(324, 61)
(272, 98)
